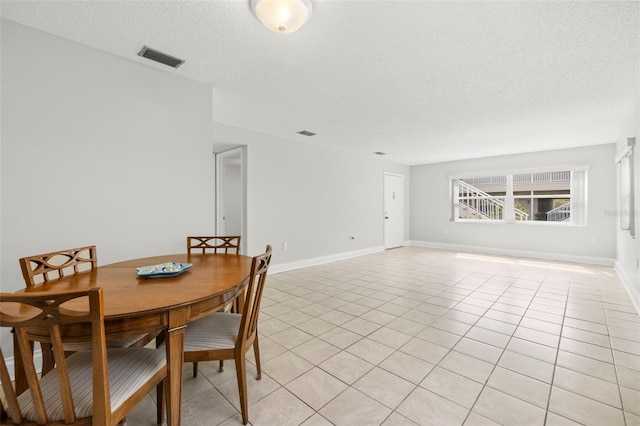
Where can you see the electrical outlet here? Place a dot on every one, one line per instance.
(594, 240)
(285, 246)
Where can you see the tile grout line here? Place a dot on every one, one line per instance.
(345, 350)
(615, 365)
(505, 347)
(416, 386)
(555, 362)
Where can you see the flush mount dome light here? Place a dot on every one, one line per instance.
(282, 16)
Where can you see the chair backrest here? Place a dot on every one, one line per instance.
(253, 297)
(214, 244)
(44, 267)
(43, 310)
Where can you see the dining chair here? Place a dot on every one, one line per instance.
(228, 335)
(43, 268)
(98, 386)
(214, 244)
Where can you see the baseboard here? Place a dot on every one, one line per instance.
(516, 253)
(289, 266)
(627, 282)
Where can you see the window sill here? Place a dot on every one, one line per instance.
(492, 222)
(545, 223)
(521, 223)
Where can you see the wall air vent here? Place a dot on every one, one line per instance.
(306, 133)
(154, 55)
(380, 153)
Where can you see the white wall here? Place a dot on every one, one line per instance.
(1, 179)
(98, 150)
(430, 209)
(628, 248)
(310, 197)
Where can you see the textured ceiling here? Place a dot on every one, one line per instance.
(422, 81)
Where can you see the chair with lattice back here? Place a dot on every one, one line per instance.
(214, 244)
(228, 335)
(97, 386)
(43, 268)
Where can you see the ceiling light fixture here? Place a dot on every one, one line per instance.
(282, 16)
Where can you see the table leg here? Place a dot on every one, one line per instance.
(175, 356)
(239, 302)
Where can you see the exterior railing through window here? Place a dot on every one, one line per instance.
(559, 214)
(542, 177)
(481, 205)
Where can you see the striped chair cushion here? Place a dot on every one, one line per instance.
(128, 369)
(216, 331)
(123, 342)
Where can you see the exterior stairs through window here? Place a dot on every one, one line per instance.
(477, 204)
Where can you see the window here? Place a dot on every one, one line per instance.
(482, 198)
(627, 208)
(557, 196)
(543, 196)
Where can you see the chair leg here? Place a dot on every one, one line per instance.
(195, 369)
(233, 308)
(256, 352)
(241, 373)
(47, 358)
(160, 402)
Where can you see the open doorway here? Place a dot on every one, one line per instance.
(230, 194)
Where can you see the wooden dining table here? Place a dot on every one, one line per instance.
(135, 305)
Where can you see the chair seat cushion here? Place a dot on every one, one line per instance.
(216, 331)
(129, 368)
(123, 342)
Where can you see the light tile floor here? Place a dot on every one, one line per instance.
(416, 336)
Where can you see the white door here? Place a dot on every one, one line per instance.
(393, 211)
(230, 193)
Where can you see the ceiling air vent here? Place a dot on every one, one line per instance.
(380, 153)
(306, 133)
(154, 55)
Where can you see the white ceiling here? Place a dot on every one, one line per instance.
(422, 81)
